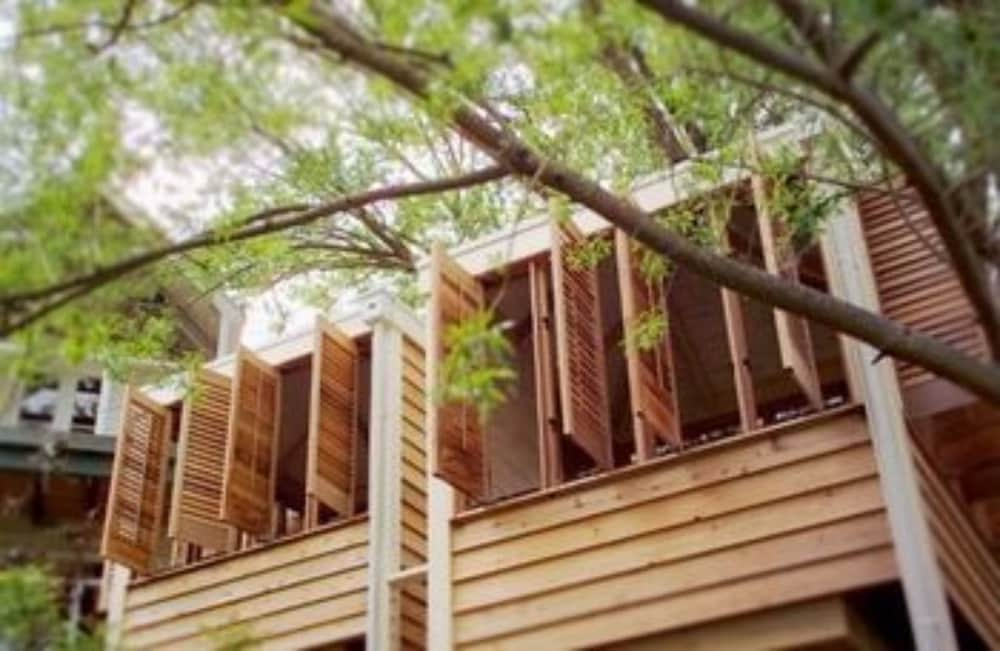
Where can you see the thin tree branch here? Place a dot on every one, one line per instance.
(265, 222)
(882, 333)
(892, 136)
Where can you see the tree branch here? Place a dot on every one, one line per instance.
(892, 136)
(266, 222)
(982, 379)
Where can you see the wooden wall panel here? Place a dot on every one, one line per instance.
(917, 287)
(201, 455)
(413, 512)
(298, 592)
(971, 572)
(458, 444)
(790, 513)
(138, 484)
(333, 422)
(580, 359)
(650, 372)
(251, 450)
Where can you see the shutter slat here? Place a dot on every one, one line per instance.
(580, 349)
(201, 456)
(794, 338)
(457, 450)
(248, 477)
(138, 484)
(650, 372)
(916, 287)
(332, 419)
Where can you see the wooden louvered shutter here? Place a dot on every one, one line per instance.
(332, 422)
(650, 372)
(201, 456)
(138, 484)
(251, 446)
(794, 339)
(458, 446)
(583, 390)
(919, 289)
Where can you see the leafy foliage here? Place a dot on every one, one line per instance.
(241, 110)
(30, 618)
(477, 367)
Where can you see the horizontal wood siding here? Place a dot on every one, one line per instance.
(295, 593)
(413, 600)
(780, 516)
(971, 573)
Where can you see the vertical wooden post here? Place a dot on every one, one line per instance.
(549, 438)
(384, 488)
(62, 416)
(440, 509)
(739, 353)
(117, 589)
(923, 586)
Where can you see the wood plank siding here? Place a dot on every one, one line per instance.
(971, 573)
(779, 516)
(299, 592)
(413, 512)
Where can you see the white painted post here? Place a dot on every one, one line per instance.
(231, 322)
(923, 586)
(117, 589)
(109, 406)
(440, 508)
(384, 489)
(62, 416)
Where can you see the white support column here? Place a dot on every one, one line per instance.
(923, 586)
(231, 322)
(440, 509)
(384, 489)
(109, 406)
(116, 584)
(62, 416)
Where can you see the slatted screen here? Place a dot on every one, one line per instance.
(650, 371)
(580, 348)
(332, 421)
(138, 484)
(916, 285)
(794, 339)
(457, 448)
(251, 446)
(201, 456)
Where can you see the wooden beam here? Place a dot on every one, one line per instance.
(923, 586)
(549, 440)
(384, 486)
(739, 354)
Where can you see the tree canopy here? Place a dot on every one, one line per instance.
(331, 142)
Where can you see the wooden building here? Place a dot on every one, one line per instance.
(746, 480)
(295, 502)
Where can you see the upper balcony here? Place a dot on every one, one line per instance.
(722, 468)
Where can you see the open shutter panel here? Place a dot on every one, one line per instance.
(332, 420)
(650, 372)
(919, 290)
(138, 483)
(583, 389)
(251, 446)
(794, 340)
(457, 451)
(201, 456)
